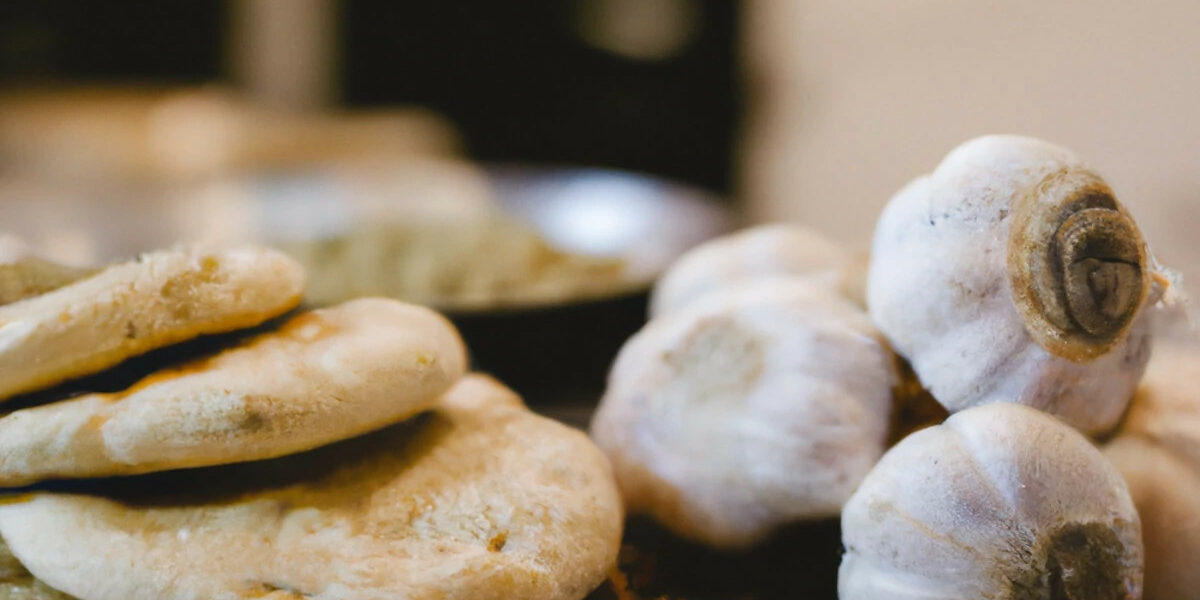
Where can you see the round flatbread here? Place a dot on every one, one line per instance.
(480, 499)
(323, 376)
(156, 300)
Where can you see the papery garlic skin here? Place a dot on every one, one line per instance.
(780, 249)
(747, 410)
(941, 289)
(1157, 450)
(1000, 502)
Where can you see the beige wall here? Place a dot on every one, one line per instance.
(854, 97)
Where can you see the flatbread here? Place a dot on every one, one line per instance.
(323, 376)
(480, 499)
(156, 300)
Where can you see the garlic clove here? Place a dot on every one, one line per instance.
(747, 410)
(1000, 502)
(781, 249)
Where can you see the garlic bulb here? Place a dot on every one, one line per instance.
(781, 249)
(1012, 273)
(1157, 449)
(747, 410)
(1000, 502)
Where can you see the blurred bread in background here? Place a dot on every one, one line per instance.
(146, 132)
(93, 174)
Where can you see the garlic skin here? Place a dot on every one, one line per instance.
(780, 249)
(747, 410)
(1011, 273)
(1157, 450)
(1000, 502)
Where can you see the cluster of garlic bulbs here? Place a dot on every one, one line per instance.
(1023, 296)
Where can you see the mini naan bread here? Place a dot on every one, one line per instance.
(478, 500)
(156, 300)
(23, 274)
(323, 376)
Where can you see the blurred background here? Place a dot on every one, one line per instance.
(130, 126)
(648, 86)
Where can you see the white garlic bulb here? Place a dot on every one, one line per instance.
(747, 410)
(781, 249)
(1157, 449)
(1000, 502)
(1011, 273)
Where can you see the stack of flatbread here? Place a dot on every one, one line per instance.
(338, 453)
